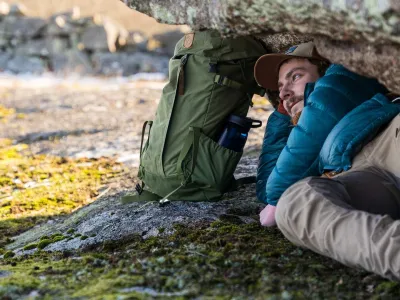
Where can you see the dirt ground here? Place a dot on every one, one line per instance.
(100, 118)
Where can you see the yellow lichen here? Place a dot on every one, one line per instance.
(34, 188)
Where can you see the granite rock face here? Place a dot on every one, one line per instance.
(363, 35)
(109, 220)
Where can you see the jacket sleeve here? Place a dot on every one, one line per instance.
(354, 131)
(276, 134)
(329, 100)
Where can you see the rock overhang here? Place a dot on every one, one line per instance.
(363, 35)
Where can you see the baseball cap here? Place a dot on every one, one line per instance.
(266, 69)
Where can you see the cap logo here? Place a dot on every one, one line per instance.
(291, 50)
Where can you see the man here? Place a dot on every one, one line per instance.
(348, 217)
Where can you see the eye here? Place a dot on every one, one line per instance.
(296, 76)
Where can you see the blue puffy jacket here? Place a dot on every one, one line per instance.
(354, 131)
(327, 101)
(276, 134)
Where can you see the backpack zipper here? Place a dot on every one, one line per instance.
(181, 80)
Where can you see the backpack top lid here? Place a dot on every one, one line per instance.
(209, 43)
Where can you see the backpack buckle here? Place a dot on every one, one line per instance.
(164, 202)
(139, 189)
(220, 80)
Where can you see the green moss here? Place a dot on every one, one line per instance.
(43, 243)
(31, 246)
(70, 231)
(222, 260)
(8, 254)
(58, 238)
(387, 287)
(60, 185)
(52, 239)
(84, 237)
(56, 235)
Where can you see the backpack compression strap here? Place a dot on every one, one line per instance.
(141, 195)
(225, 81)
(145, 124)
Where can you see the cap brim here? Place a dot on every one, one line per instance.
(266, 70)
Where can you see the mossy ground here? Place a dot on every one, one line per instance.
(35, 188)
(222, 260)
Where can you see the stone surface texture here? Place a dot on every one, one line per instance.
(363, 35)
(108, 220)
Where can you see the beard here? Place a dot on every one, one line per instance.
(295, 118)
(296, 99)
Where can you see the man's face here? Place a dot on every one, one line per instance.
(294, 74)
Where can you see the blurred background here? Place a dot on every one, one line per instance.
(102, 38)
(115, 9)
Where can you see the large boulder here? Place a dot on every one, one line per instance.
(107, 219)
(71, 61)
(43, 47)
(22, 27)
(36, 47)
(363, 35)
(26, 64)
(94, 38)
(126, 64)
(5, 57)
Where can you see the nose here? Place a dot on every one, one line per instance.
(286, 92)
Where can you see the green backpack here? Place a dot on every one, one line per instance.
(210, 78)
